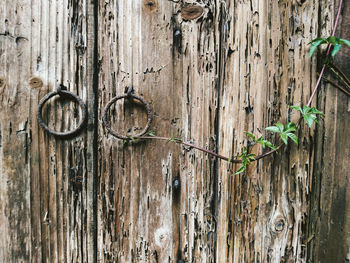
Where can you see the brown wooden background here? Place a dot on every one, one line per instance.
(209, 77)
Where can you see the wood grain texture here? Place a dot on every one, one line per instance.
(330, 199)
(262, 213)
(173, 64)
(211, 70)
(46, 184)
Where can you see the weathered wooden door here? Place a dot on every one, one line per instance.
(210, 70)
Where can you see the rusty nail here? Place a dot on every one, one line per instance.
(176, 183)
(177, 33)
(61, 88)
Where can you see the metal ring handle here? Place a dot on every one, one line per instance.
(68, 95)
(116, 98)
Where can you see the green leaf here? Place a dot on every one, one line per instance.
(312, 50)
(315, 43)
(284, 138)
(251, 157)
(174, 139)
(251, 135)
(270, 145)
(309, 119)
(272, 129)
(262, 142)
(151, 133)
(279, 126)
(335, 50)
(290, 127)
(308, 114)
(265, 143)
(244, 152)
(333, 40)
(293, 137)
(261, 139)
(298, 108)
(345, 42)
(246, 159)
(315, 111)
(241, 169)
(317, 40)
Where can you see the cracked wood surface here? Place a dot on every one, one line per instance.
(210, 70)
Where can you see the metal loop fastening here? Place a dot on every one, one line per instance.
(128, 95)
(63, 93)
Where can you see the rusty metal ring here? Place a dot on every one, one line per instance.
(68, 95)
(128, 95)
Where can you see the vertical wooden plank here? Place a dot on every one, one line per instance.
(197, 65)
(330, 206)
(47, 193)
(135, 194)
(15, 191)
(170, 58)
(262, 213)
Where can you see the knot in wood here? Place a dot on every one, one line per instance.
(191, 12)
(35, 82)
(150, 5)
(279, 224)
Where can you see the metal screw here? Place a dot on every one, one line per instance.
(176, 183)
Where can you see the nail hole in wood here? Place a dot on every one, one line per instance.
(191, 12)
(2, 82)
(35, 82)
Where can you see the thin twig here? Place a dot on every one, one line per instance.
(340, 72)
(193, 146)
(337, 86)
(231, 160)
(340, 77)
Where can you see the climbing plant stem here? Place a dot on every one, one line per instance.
(327, 55)
(258, 157)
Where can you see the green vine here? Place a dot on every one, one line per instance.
(309, 114)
